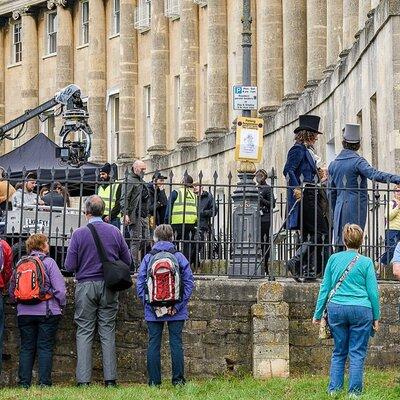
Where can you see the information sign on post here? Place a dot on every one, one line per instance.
(244, 97)
(249, 139)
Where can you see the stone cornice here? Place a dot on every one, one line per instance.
(8, 6)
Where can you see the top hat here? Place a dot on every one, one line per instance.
(352, 133)
(308, 123)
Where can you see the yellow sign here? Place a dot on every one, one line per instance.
(249, 139)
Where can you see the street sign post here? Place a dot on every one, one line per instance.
(244, 97)
(249, 139)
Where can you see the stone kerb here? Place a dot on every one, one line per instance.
(270, 332)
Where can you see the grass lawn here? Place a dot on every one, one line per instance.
(379, 385)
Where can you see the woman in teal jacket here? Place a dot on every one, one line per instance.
(353, 312)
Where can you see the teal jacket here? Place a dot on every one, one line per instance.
(360, 287)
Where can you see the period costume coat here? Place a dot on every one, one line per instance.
(348, 175)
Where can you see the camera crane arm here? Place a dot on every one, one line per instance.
(22, 119)
(75, 118)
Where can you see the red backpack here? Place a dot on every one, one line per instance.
(30, 279)
(163, 279)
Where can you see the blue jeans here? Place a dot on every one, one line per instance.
(153, 351)
(351, 328)
(392, 237)
(1, 329)
(38, 334)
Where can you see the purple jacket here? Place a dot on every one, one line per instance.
(82, 257)
(55, 284)
(187, 284)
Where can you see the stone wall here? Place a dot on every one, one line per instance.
(217, 338)
(235, 326)
(286, 342)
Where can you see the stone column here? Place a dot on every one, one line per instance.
(270, 332)
(334, 24)
(30, 68)
(350, 22)
(364, 6)
(128, 80)
(189, 42)
(97, 80)
(65, 49)
(2, 77)
(294, 48)
(217, 75)
(270, 54)
(159, 72)
(316, 41)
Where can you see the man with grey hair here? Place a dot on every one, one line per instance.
(134, 205)
(94, 302)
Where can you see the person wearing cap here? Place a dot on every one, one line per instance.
(182, 214)
(348, 175)
(157, 200)
(267, 204)
(207, 210)
(307, 208)
(111, 195)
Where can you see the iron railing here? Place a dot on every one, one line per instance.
(223, 233)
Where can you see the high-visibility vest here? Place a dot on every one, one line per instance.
(108, 197)
(184, 209)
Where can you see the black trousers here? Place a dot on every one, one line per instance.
(315, 230)
(266, 239)
(38, 334)
(187, 234)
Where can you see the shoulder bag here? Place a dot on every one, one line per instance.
(117, 275)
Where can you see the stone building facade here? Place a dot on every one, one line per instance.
(158, 74)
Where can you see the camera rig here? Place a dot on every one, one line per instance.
(75, 133)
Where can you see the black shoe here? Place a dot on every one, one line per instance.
(44, 385)
(181, 382)
(24, 385)
(83, 384)
(110, 383)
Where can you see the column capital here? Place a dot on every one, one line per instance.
(19, 12)
(57, 3)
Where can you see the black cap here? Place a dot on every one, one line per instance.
(308, 123)
(158, 175)
(106, 168)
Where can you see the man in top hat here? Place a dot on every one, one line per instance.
(111, 194)
(307, 208)
(348, 175)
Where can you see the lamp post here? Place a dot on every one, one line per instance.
(246, 253)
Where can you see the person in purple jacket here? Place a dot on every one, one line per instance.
(38, 323)
(175, 317)
(94, 302)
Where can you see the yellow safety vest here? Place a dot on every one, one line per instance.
(184, 210)
(108, 198)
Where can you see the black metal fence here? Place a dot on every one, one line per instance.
(240, 228)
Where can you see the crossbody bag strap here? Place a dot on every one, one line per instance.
(343, 277)
(99, 245)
